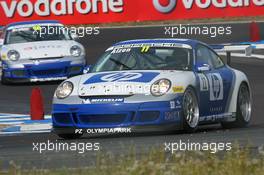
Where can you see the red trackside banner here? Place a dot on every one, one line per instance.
(106, 11)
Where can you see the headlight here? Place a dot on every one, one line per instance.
(13, 55)
(75, 51)
(64, 90)
(160, 87)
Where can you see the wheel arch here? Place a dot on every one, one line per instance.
(249, 88)
(240, 78)
(194, 89)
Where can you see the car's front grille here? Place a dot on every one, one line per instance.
(102, 119)
(49, 72)
(87, 120)
(19, 73)
(75, 70)
(148, 116)
(63, 118)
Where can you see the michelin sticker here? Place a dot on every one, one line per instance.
(102, 100)
(216, 87)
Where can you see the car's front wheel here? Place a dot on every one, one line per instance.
(190, 110)
(243, 112)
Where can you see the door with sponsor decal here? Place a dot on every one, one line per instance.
(214, 83)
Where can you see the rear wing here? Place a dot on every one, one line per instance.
(245, 49)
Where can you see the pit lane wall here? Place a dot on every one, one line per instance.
(107, 11)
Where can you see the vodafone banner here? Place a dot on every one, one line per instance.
(105, 11)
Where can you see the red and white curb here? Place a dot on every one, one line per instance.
(17, 123)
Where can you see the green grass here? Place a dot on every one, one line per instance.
(157, 162)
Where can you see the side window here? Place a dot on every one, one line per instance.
(129, 60)
(207, 56)
(203, 56)
(216, 60)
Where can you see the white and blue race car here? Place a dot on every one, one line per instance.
(39, 51)
(153, 84)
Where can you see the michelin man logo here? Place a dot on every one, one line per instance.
(119, 77)
(216, 87)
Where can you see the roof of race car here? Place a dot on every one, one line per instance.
(32, 22)
(25, 23)
(189, 42)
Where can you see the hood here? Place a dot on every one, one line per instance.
(43, 49)
(120, 83)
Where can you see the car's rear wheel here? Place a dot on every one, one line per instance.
(70, 136)
(190, 110)
(243, 112)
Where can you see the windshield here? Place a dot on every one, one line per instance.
(46, 33)
(146, 58)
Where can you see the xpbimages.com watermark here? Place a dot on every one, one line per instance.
(62, 30)
(211, 31)
(212, 147)
(57, 146)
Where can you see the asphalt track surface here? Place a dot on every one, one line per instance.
(15, 99)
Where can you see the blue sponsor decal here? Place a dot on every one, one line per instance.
(143, 77)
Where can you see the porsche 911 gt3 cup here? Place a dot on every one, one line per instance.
(153, 84)
(40, 51)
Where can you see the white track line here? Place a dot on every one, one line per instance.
(36, 127)
(17, 119)
(24, 132)
(14, 119)
(20, 116)
(6, 114)
(11, 123)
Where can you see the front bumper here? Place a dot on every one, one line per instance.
(146, 115)
(42, 71)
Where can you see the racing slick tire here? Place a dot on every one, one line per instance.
(190, 110)
(243, 111)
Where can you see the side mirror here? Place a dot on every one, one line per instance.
(202, 67)
(87, 69)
